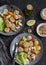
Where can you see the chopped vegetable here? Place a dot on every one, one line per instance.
(15, 16)
(5, 11)
(22, 58)
(1, 24)
(2, 27)
(33, 56)
(16, 12)
(32, 51)
(24, 38)
(18, 58)
(8, 16)
(29, 58)
(1, 21)
(19, 22)
(37, 46)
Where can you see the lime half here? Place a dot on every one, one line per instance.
(31, 22)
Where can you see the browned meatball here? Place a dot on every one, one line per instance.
(12, 19)
(25, 44)
(26, 50)
(6, 29)
(21, 43)
(20, 49)
(8, 23)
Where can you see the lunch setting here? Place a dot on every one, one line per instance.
(23, 32)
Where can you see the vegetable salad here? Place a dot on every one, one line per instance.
(10, 20)
(28, 48)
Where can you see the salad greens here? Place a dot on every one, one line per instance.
(24, 38)
(1, 24)
(21, 58)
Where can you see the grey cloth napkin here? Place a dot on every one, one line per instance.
(4, 58)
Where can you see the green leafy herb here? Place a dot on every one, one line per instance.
(22, 58)
(1, 24)
(24, 38)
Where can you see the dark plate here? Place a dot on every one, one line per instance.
(17, 39)
(12, 8)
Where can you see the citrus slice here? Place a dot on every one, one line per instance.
(31, 22)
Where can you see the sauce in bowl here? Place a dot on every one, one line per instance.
(41, 29)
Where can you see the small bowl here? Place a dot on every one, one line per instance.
(38, 30)
(43, 14)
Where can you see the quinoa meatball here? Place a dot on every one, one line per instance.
(21, 43)
(26, 50)
(8, 23)
(20, 49)
(6, 29)
(25, 44)
(13, 26)
(12, 19)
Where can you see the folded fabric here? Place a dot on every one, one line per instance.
(4, 58)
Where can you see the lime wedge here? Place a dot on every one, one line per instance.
(31, 22)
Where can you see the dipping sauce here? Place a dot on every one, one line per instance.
(42, 30)
(29, 7)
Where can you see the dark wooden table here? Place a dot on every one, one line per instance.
(38, 5)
